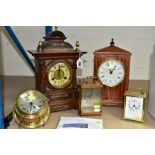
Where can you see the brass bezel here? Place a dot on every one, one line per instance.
(70, 69)
(113, 59)
(137, 95)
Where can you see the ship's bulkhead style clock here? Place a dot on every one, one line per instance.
(31, 109)
(55, 71)
(112, 68)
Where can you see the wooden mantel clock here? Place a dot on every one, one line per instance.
(112, 68)
(55, 71)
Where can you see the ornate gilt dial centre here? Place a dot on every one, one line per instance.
(59, 75)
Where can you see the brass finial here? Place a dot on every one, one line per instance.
(56, 28)
(77, 45)
(39, 48)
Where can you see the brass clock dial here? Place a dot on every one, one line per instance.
(111, 72)
(60, 74)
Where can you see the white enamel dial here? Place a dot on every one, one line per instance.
(134, 108)
(133, 103)
(111, 72)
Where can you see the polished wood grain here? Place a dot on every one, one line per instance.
(113, 95)
(53, 49)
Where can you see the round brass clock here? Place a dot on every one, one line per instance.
(31, 109)
(59, 74)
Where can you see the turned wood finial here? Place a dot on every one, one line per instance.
(77, 45)
(112, 42)
(39, 46)
(56, 28)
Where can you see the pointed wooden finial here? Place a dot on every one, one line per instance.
(112, 42)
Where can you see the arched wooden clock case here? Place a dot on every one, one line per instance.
(113, 95)
(51, 51)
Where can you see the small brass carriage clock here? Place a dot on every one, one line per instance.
(31, 109)
(112, 68)
(134, 105)
(90, 97)
(55, 71)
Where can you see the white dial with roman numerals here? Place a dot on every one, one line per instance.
(111, 72)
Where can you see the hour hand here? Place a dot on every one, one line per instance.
(112, 69)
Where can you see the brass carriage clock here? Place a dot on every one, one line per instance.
(134, 103)
(90, 96)
(55, 71)
(112, 68)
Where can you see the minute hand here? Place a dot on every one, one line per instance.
(59, 72)
(36, 107)
(114, 67)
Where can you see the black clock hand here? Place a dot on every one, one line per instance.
(36, 107)
(111, 70)
(114, 67)
(59, 72)
(31, 104)
(131, 108)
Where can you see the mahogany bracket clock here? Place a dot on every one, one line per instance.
(112, 68)
(55, 71)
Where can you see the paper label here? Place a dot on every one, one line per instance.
(79, 63)
(97, 108)
(23, 95)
